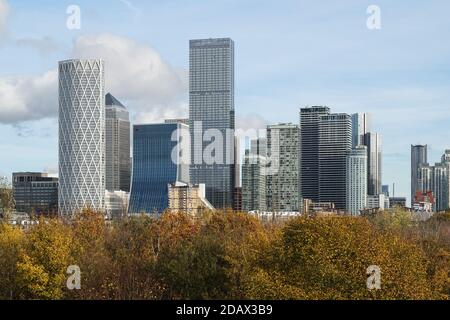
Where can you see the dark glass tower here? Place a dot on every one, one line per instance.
(117, 145)
(418, 158)
(309, 151)
(154, 167)
(211, 107)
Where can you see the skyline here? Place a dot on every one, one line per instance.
(401, 80)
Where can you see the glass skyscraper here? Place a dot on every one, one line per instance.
(360, 126)
(309, 151)
(418, 158)
(335, 142)
(374, 163)
(211, 118)
(158, 160)
(118, 165)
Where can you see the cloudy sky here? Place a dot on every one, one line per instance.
(288, 54)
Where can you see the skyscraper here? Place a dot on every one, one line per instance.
(254, 177)
(81, 135)
(360, 126)
(335, 141)
(117, 146)
(357, 180)
(418, 158)
(309, 151)
(159, 159)
(374, 159)
(435, 179)
(282, 184)
(211, 118)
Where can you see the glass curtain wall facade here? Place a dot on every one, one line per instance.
(118, 161)
(211, 107)
(154, 168)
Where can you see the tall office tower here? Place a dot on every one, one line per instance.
(211, 118)
(445, 162)
(309, 151)
(335, 141)
(117, 146)
(160, 158)
(35, 192)
(81, 135)
(440, 186)
(435, 179)
(374, 156)
(360, 126)
(254, 177)
(356, 180)
(418, 158)
(282, 183)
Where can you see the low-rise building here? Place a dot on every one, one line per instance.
(35, 192)
(116, 203)
(376, 202)
(188, 198)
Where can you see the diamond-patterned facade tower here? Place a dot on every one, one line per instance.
(81, 136)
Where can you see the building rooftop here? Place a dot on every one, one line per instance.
(110, 100)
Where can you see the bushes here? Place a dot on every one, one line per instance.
(226, 256)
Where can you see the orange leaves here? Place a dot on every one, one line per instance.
(226, 255)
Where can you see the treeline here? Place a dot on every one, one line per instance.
(227, 256)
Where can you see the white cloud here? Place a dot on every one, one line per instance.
(135, 73)
(251, 121)
(28, 97)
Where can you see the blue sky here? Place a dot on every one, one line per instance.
(288, 54)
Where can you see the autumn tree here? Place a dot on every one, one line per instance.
(7, 203)
(43, 262)
(11, 245)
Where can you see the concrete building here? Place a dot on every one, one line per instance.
(424, 202)
(188, 198)
(436, 179)
(81, 135)
(397, 202)
(116, 204)
(254, 177)
(357, 180)
(117, 145)
(282, 185)
(35, 192)
(211, 111)
(376, 202)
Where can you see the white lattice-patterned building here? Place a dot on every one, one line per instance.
(81, 136)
